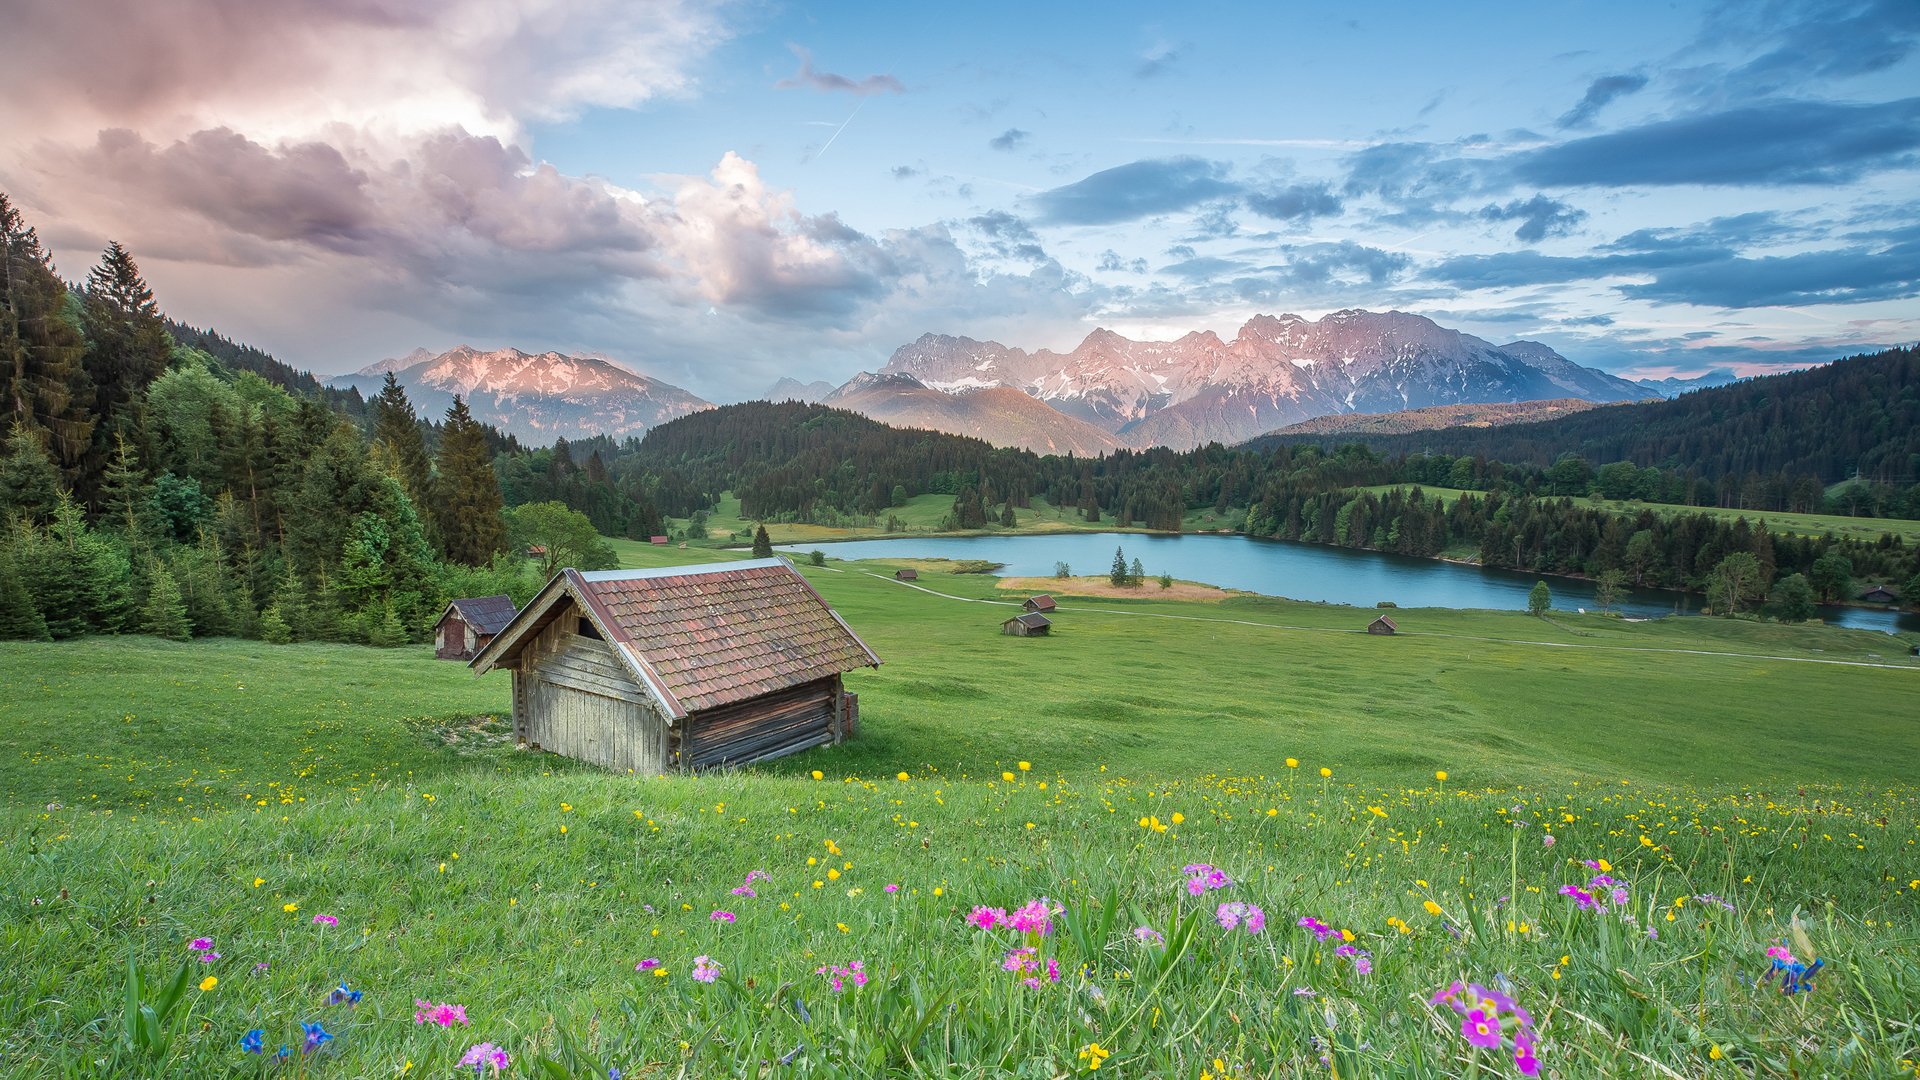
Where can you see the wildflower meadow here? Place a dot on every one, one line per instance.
(263, 906)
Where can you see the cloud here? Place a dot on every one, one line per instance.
(1852, 276)
(1157, 61)
(905, 172)
(1295, 202)
(1805, 42)
(1539, 217)
(1512, 269)
(1774, 143)
(1008, 139)
(1205, 268)
(1111, 261)
(1600, 92)
(807, 78)
(1136, 190)
(1008, 237)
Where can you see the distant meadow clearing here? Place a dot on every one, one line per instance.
(1260, 846)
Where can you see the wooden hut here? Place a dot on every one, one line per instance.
(906, 575)
(657, 541)
(1383, 625)
(680, 668)
(467, 625)
(1042, 604)
(1032, 624)
(1879, 594)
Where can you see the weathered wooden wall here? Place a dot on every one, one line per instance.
(451, 640)
(781, 723)
(572, 696)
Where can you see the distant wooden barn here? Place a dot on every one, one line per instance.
(682, 668)
(1879, 594)
(657, 541)
(1032, 624)
(1042, 603)
(467, 625)
(1383, 625)
(907, 575)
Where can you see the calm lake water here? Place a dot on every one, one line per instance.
(1299, 572)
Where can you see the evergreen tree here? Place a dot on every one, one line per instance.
(29, 484)
(1007, 520)
(1117, 575)
(19, 617)
(469, 497)
(127, 343)
(1539, 599)
(164, 615)
(762, 543)
(387, 631)
(1136, 573)
(124, 488)
(273, 628)
(396, 427)
(43, 380)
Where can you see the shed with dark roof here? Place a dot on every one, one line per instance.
(1383, 625)
(1032, 624)
(681, 668)
(468, 624)
(1042, 603)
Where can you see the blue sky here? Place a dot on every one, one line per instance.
(721, 195)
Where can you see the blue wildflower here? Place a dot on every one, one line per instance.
(1795, 975)
(253, 1041)
(344, 996)
(316, 1035)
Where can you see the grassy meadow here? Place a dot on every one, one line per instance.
(330, 813)
(923, 514)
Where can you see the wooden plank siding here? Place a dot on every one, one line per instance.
(573, 697)
(774, 725)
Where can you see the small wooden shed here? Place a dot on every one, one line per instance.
(657, 541)
(681, 668)
(906, 575)
(1042, 603)
(1879, 594)
(1383, 625)
(468, 624)
(1032, 624)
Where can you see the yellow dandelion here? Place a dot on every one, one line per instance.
(209, 983)
(1432, 908)
(1025, 766)
(902, 776)
(818, 775)
(1293, 763)
(289, 908)
(1007, 775)
(1325, 772)
(1441, 775)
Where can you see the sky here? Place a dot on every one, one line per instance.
(723, 194)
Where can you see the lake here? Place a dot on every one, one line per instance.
(1300, 572)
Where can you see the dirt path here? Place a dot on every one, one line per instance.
(1416, 634)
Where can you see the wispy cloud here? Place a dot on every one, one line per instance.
(1009, 139)
(1600, 93)
(808, 78)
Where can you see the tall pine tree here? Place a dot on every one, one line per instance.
(127, 342)
(397, 427)
(43, 382)
(468, 504)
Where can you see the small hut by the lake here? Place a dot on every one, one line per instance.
(1042, 603)
(1383, 625)
(468, 624)
(680, 668)
(1032, 624)
(1879, 594)
(906, 575)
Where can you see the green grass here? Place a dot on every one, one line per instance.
(149, 786)
(925, 514)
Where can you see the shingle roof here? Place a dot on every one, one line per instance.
(486, 614)
(1032, 620)
(727, 632)
(1042, 602)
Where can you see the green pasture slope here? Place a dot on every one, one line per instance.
(156, 792)
(925, 514)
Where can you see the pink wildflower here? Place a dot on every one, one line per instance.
(721, 916)
(1481, 1029)
(201, 944)
(893, 888)
(1033, 917)
(326, 920)
(446, 1014)
(484, 1056)
(705, 969)
(1147, 935)
(986, 918)
(648, 964)
(1238, 913)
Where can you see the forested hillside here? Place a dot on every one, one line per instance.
(1858, 416)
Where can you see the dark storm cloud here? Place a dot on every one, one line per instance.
(808, 78)
(1135, 190)
(1775, 143)
(1539, 217)
(1599, 94)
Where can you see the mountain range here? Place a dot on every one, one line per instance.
(1671, 387)
(1277, 370)
(538, 397)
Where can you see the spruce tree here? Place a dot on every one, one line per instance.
(274, 629)
(124, 488)
(164, 615)
(127, 341)
(1136, 573)
(762, 543)
(43, 380)
(397, 428)
(469, 504)
(19, 617)
(1117, 576)
(29, 483)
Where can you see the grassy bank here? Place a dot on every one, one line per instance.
(156, 793)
